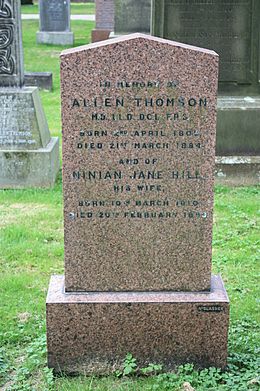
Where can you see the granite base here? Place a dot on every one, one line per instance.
(99, 35)
(92, 332)
(114, 35)
(65, 38)
(30, 168)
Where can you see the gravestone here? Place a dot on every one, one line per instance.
(139, 116)
(55, 22)
(132, 16)
(232, 29)
(104, 20)
(43, 80)
(28, 155)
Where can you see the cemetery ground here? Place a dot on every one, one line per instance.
(76, 8)
(31, 249)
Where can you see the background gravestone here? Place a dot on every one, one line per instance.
(104, 20)
(42, 80)
(231, 28)
(28, 155)
(26, 2)
(223, 25)
(11, 52)
(132, 16)
(138, 175)
(55, 22)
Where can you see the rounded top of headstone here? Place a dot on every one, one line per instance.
(134, 37)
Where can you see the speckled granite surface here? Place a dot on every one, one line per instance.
(92, 332)
(147, 225)
(138, 119)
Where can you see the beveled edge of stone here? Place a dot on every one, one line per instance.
(238, 102)
(129, 37)
(237, 160)
(56, 294)
(42, 150)
(20, 90)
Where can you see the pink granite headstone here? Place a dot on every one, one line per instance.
(139, 118)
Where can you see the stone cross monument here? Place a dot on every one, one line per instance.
(29, 156)
(139, 127)
(11, 51)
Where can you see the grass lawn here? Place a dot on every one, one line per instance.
(76, 8)
(31, 249)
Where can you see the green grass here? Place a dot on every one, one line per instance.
(236, 240)
(31, 249)
(76, 8)
(45, 58)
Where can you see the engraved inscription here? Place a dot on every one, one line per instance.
(54, 15)
(15, 129)
(224, 26)
(7, 63)
(149, 179)
(56, 9)
(210, 308)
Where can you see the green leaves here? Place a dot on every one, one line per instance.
(131, 368)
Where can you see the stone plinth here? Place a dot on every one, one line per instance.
(30, 168)
(91, 333)
(55, 23)
(41, 80)
(237, 170)
(65, 38)
(238, 126)
(99, 35)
